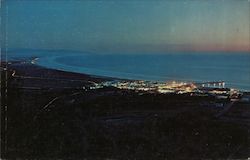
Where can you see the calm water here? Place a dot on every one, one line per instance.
(233, 68)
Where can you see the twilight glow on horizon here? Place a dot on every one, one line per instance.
(127, 26)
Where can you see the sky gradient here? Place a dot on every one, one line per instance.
(127, 26)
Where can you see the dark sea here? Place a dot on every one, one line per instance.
(233, 68)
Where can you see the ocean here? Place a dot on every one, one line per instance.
(233, 68)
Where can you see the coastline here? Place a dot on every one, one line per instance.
(24, 65)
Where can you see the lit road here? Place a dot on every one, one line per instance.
(225, 110)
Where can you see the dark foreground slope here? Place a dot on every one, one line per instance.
(51, 116)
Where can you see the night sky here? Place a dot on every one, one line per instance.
(127, 26)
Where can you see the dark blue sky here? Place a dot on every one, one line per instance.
(127, 26)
